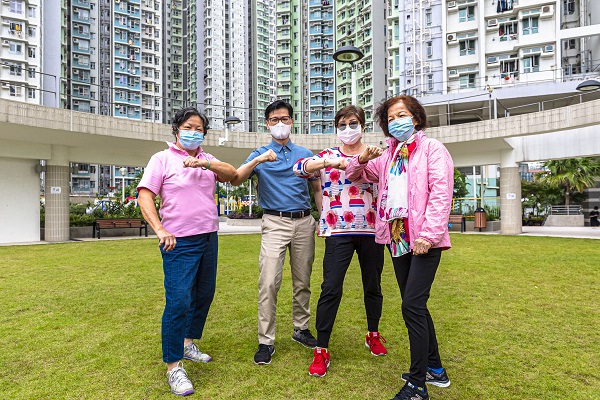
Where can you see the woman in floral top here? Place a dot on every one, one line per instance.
(348, 224)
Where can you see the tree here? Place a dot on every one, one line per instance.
(460, 184)
(572, 175)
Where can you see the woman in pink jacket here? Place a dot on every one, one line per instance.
(415, 176)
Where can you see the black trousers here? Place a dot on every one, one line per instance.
(415, 276)
(338, 255)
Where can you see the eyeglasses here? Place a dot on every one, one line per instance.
(352, 125)
(274, 120)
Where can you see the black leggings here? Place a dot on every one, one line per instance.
(338, 255)
(415, 276)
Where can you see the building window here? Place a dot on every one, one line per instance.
(429, 49)
(15, 91)
(466, 14)
(570, 44)
(530, 25)
(31, 11)
(16, 6)
(30, 93)
(430, 82)
(428, 17)
(15, 48)
(467, 47)
(31, 73)
(569, 7)
(467, 81)
(531, 64)
(16, 70)
(31, 52)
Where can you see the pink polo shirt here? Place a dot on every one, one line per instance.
(188, 204)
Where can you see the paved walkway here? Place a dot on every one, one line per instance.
(224, 229)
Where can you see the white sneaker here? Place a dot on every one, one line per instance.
(192, 352)
(179, 382)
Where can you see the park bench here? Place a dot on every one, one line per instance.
(458, 219)
(119, 223)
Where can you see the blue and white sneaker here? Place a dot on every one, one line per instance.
(192, 352)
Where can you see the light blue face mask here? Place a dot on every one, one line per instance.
(401, 128)
(190, 140)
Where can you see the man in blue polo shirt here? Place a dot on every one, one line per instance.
(287, 223)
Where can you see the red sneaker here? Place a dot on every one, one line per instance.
(373, 342)
(320, 363)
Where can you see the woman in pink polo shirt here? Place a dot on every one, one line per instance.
(185, 178)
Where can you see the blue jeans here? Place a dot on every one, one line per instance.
(190, 280)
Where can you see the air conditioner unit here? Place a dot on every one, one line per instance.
(452, 6)
(492, 23)
(75, 103)
(493, 60)
(75, 40)
(549, 48)
(547, 12)
(453, 73)
(451, 37)
(117, 1)
(5, 84)
(75, 72)
(76, 56)
(137, 49)
(5, 43)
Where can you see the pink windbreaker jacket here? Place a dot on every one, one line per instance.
(430, 183)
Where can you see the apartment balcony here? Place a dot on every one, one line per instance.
(81, 3)
(75, 18)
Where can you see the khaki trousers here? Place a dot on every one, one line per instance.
(279, 234)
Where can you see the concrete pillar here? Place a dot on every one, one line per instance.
(511, 222)
(57, 191)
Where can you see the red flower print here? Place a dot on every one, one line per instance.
(334, 175)
(331, 218)
(370, 218)
(348, 217)
(353, 191)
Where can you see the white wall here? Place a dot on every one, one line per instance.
(19, 201)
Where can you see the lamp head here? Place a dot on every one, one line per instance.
(588, 86)
(232, 120)
(348, 54)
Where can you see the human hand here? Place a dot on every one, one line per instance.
(268, 156)
(193, 162)
(342, 164)
(167, 239)
(421, 246)
(370, 153)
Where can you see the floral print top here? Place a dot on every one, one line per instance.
(349, 208)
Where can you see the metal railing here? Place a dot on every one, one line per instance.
(565, 210)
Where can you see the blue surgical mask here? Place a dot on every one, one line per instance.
(401, 128)
(190, 140)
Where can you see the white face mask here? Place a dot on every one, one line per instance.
(349, 135)
(281, 130)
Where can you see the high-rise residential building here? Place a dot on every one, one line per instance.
(262, 80)
(308, 33)
(415, 47)
(320, 90)
(222, 63)
(362, 23)
(20, 51)
(292, 51)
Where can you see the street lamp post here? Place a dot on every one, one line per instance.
(350, 54)
(232, 120)
(123, 171)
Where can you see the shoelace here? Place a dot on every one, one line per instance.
(379, 339)
(319, 358)
(179, 377)
(193, 348)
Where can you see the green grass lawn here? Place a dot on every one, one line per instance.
(516, 317)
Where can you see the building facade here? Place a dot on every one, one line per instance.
(20, 51)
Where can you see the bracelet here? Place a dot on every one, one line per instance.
(207, 165)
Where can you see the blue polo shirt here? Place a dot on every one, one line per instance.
(279, 189)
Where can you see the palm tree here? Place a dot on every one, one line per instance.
(574, 174)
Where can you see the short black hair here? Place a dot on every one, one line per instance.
(186, 113)
(277, 105)
(595, 208)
